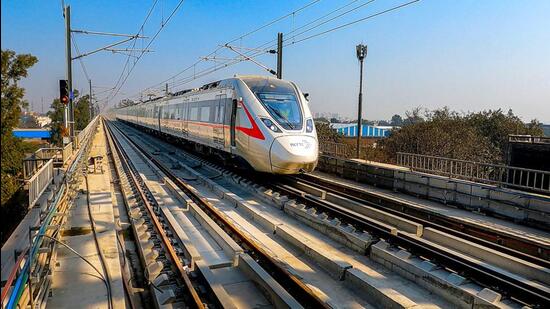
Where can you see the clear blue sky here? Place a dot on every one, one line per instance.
(469, 55)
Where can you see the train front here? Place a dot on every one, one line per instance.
(294, 147)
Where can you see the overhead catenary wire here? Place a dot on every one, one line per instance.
(147, 46)
(354, 22)
(134, 42)
(211, 70)
(266, 49)
(80, 59)
(240, 37)
(270, 43)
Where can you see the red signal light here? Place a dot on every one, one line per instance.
(64, 100)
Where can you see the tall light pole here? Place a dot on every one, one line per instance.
(361, 54)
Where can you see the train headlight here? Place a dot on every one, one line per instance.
(268, 123)
(309, 126)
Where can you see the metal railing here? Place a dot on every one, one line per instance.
(35, 161)
(91, 126)
(502, 175)
(337, 149)
(38, 183)
(67, 152)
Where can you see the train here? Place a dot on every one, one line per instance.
(259, 122)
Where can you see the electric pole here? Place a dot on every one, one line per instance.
(69, 108)
(280, 55)
(90, 101)
(361, 54)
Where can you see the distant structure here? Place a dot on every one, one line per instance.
(529, 152)
(350, 130)
(34, 134)
(33, 120)
(327, 116)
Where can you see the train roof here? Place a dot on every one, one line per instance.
(207, 86)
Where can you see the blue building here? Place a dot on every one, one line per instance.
(32, 133)
(350, 130)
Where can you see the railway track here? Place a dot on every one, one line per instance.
(509, 285)
(295, 294)
(521, 248)
(145, 211)
(505, 283)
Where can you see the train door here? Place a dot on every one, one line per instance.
(186, 118)
(157, 111)
(219, 130)
(233, 121)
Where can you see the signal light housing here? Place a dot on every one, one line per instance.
(64, 91)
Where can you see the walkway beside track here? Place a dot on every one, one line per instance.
(75, 284)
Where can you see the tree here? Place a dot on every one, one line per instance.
(56, 126)
(325, 133)
(14, 67)
(481, 136)
(81, 117)
(396, 121)
(82, 112)
(413, 116)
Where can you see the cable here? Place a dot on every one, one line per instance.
(102, 277)
(230, 63)
(79, 58)
(146, 47)
(211, 70)
(98, 247)
(354, 22)
(317, 19)
(236, 39)
(134, 42)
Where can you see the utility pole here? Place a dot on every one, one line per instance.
(280, 55)
(90, 101)
(361, 54)
(69, 109)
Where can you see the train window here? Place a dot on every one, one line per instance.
(283, 108)
(205, 114)
(279, 99)
(221, 112)
(194, 112)
(173, 112)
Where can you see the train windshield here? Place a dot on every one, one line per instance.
(280, 100)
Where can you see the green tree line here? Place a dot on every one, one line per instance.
(476, 136)
(13, 150)
(14, 68)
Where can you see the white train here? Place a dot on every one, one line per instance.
(263, 122)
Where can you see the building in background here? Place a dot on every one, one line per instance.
(350, 130)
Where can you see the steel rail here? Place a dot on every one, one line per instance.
(481, 274)
(167, 244)
(472, 232)
(486, 276)
(294, 286)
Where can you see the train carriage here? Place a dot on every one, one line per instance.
(263, 121)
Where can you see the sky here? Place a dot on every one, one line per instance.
(469, 55)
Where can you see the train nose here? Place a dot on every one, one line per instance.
(293, 153)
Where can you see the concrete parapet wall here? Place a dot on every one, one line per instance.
(522, 207)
